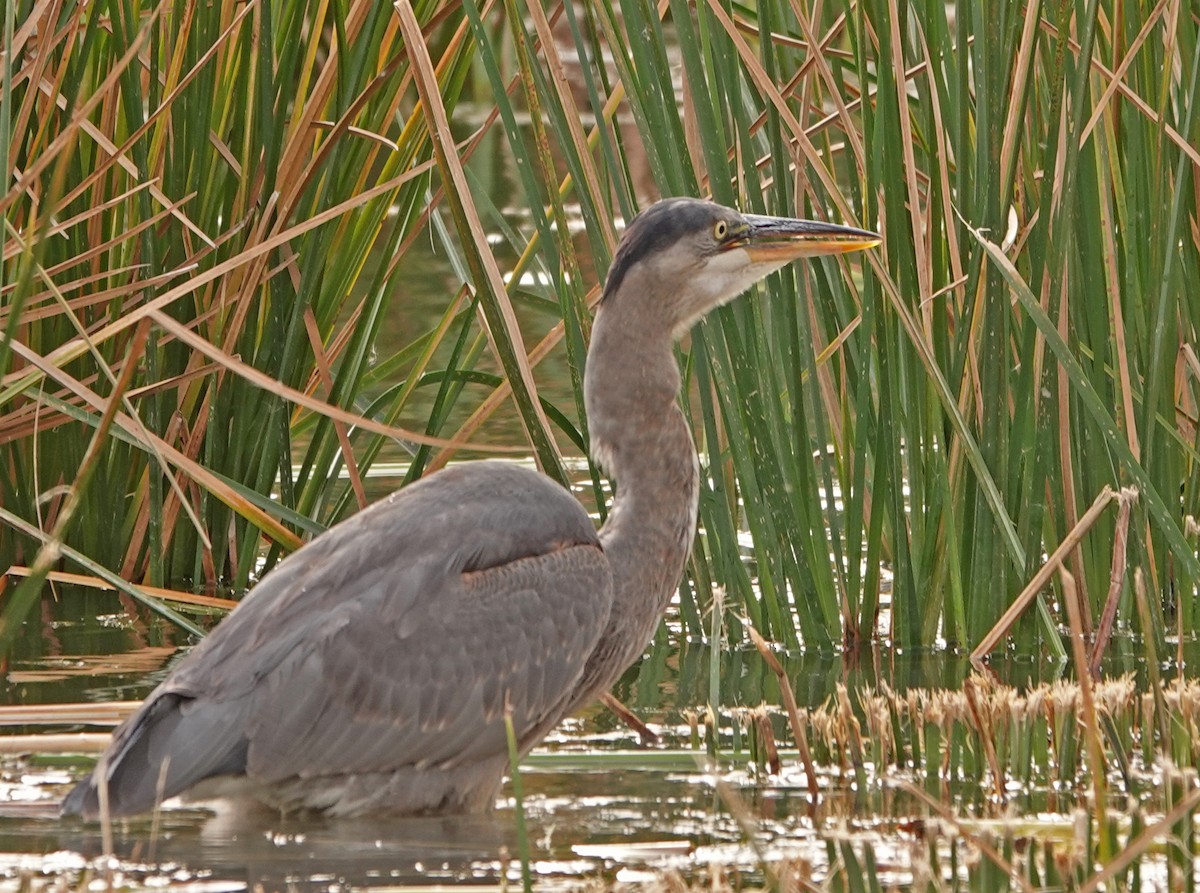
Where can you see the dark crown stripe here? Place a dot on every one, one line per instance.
(653, 231)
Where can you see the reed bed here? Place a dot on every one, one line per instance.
(992, 735)
(990, 787)
(210, 209)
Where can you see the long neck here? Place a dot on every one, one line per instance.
(639, 436)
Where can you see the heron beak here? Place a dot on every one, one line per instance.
(784, 238)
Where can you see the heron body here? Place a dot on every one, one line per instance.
(371, 670)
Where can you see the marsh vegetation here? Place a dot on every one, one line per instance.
(262, 261)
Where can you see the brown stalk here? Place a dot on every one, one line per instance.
(171, 82)
(264, 381)
(766, 740)
(36, 298)
(853, 105)
(1113, 288)
(46, 305)
(1116, 579)
(500, 394)
(983, 726)
(1072, 595)
(416, 120)
(208, 564)
(818, 53)
(233, 328)
(921, 232)
(173, 595)
(942, 156)
(1014, 121)
(175, 434)
(845, 714)
(537, 428)
(174, 382)
(925, 353)
(50, 550)
(830, 393)
(466, 150)
(987, 851)
(298, 181)
(75, 348)
(41, 56)
(785, 40)
(1180, 141)
(58, 227)
(117, 155)
(1066, 456)
(1140, 845)
(126, 373)
(647, 735)
(789, 703)
(1125, 416)
(343, 432)
(199, 473)
(33, 23)
(971, 389)
(551, 339)
(295, 173)
(769, 90)
(559, 81)
(1129, 55)
(338, 340)
(97, 248)
(1043, 575)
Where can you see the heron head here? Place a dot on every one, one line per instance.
(694, 255)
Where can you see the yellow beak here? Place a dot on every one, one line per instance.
(786, 238)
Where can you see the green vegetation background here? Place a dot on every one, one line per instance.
(208, 211)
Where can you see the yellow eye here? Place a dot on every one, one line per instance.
(720, 230)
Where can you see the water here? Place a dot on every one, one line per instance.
(599, 807)
(588, 817)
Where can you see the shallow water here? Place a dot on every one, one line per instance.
(598, 805)
(586, 818)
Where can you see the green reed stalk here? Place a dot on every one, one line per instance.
(937, 410)
(514, 768)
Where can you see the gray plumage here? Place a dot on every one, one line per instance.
(371, 670)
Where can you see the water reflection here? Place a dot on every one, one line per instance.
(303, 854)
(598, 806)
(584, 820)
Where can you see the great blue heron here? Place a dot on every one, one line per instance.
(371, 670)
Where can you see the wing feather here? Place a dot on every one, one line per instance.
(391, 641)
(521, 632)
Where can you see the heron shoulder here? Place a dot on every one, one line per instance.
(393, 556)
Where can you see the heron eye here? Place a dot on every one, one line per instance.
(720, 230)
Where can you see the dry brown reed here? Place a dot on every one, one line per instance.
(994, 732)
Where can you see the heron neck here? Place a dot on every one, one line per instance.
(639, 435)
